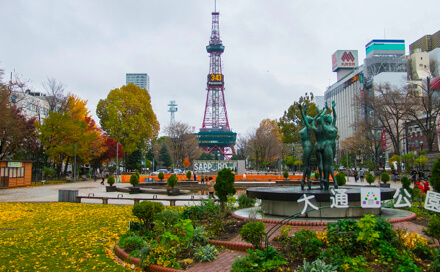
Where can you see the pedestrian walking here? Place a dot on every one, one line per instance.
(355, 173)
(103, 178)
(361, 174)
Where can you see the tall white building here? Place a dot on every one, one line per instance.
(141, 80)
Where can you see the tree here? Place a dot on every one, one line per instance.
(425, 110)
(182, 143)
(224, 185)
(55, 95)
(16, 132)
(71, 133)
(391, 106)
(127, 116)
(205, 157)
(266, 144)
(133, 160)
(290, 124)
(164, 156)
(186, 162)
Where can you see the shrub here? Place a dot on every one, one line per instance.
(134, 180)
(164, 220)
(111, 180)
(161, 176)
(253, 233)
(369, 178)
(433, 229)
(206, 210)
(146, 210)
(188, 175)
(224, 185)
(317, 175)
(406, 183)
(286, 174)
(384, 177)
(246, 202)
(258, 260)
(172, 181)
(131, 242)
(304, 245)
(205, 253)
(435, 175)
(346, 228)
(48, 172)
(340, 178)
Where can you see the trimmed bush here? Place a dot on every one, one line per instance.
(130, 243)
(317, 175)
(224, 185)
(253, 233)
(369, 178)
(111, 180)
(161, 176)
(406, 183)
(435, 175)
(146, 210)
(188, 175)
(340, 178)
(134, 180)
(172, 181)
(286, 174)
(384, 177)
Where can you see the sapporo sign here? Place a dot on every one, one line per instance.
(213, 166)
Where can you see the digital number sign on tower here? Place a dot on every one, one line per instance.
(215, 79)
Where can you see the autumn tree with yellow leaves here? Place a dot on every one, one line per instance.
(126, 115)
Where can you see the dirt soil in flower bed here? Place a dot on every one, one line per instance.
(231, 227)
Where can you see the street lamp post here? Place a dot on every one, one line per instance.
(74, 169)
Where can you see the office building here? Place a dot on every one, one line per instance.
(426, 43)
(141, 80)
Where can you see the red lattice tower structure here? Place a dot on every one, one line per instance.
(215, 136)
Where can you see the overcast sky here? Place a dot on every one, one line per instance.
(276, 51)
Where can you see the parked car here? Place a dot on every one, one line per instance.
(177, 171)
(155, 173)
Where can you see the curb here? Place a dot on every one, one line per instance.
(292, 223)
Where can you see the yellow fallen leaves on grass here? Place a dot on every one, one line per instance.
(60, 236)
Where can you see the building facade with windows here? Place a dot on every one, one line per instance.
(142, 80)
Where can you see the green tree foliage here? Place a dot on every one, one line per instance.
(146, 210)
(384, 177)
(111, 180)
(134, 180)
(164, 156)
(340, 178)
(253, 233)
(172, 181)
(435, 175)
(290, 124)
(71, 132)
(133, 160)
(127, 116)
(205, 156)
(161, 176)
(224, 185)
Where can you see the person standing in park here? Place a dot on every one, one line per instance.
(361, 174)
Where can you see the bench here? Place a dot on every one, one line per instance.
(137, 200)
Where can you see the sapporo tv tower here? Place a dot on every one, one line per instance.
(215, 136)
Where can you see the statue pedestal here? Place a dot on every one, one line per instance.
(283, 201)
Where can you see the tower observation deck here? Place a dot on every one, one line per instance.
(215, 136)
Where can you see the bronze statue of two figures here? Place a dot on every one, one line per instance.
(323, 126)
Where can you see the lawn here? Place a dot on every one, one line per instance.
(61, 236)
